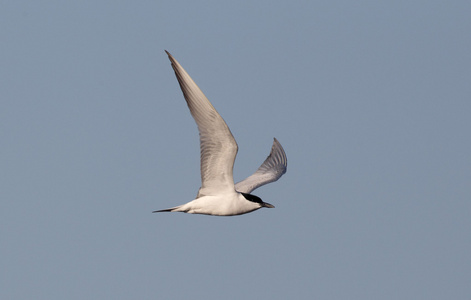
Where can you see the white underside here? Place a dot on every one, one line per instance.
(221, 205)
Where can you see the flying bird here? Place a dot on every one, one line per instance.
(218, 195)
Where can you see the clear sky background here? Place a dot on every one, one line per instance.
(370, 99)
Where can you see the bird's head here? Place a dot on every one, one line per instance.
(256, 199)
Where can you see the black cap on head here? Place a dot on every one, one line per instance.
(256, 199)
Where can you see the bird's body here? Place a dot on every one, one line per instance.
(218, 195)
(230, 204)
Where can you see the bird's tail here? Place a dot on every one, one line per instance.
(168, 209)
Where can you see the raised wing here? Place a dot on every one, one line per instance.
(271, 170)
(218, 146)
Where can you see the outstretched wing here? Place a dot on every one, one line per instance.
(271, 170)
(217, 145)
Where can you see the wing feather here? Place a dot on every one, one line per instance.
(271, 170)
(217, 145)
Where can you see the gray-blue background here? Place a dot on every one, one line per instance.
(370, 99)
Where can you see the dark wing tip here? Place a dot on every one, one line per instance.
(170, 57)
(175, 65)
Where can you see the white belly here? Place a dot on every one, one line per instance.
(221, 205)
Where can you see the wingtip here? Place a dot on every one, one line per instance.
(276, 142)
(280, 152)
(172, 59)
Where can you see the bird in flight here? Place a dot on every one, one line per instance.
(218, 195)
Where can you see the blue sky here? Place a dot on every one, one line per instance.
(370, 99)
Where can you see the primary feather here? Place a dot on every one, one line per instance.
(271, 170)
(218, 147)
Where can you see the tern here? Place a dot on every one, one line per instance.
(218, 195)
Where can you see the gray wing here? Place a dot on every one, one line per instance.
(217, 145)
(271, 170)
